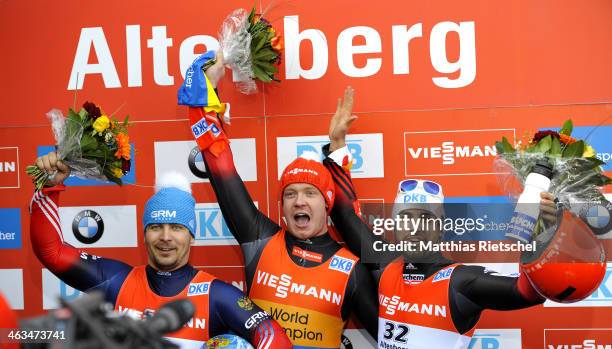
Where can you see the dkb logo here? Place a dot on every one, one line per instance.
(354, 147)
(211, 227)
(366, 149)
(603, 293)
(484, 342)
(496, 339)
(341, 264)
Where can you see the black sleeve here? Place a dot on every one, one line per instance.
(490, 290)
(364, 299)
(243, 218)
(356, 233)
(473, 290)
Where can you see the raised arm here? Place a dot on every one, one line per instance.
(243, 219)
(74, 267)
(346, 213)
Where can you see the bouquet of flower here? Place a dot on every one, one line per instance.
(92, 144)
(250, 47)
(577, 174)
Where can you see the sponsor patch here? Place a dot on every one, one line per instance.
(341, 264)
(307, 255)
(198, 288)
(443, 274)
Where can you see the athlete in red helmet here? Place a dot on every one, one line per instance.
(294, 270)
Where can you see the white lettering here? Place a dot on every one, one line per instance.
(105, 66)
(459, 73)
(449, 151)
(160, 43)
(187, 54)
(346, 51)
(394, 303)
(465, 64)
(285, 285)
(7, 166)
(293, 39)
(401, 41)
(134, 59)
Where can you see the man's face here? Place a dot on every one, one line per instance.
(168, 245)
(426, 230)
(304, 210)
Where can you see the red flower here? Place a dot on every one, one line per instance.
(277, 43)
(567, 139)
(542, 134)
(126, 165)
(93, 111)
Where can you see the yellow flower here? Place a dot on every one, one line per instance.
(117, 172)
(589, 152)
(101, 123)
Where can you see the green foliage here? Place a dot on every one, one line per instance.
(567, 128)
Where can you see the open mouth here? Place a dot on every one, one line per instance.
(165, 250)
(301, 219)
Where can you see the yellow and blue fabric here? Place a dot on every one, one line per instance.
(196, 90)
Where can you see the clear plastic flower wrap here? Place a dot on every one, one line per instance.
(574, 181)
(92, 144)
(235, 43)
(569, 261)
(577, 180)
(68, 134)
(251, 47)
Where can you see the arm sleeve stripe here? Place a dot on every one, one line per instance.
(51, 215)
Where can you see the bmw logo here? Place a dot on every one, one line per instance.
(87, 226)
(345, 342)
(196, 163)
(598, 216)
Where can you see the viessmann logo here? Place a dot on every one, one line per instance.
(452, 152)
(448, 151)
(9, 167)
(303, 170)
(587, 338)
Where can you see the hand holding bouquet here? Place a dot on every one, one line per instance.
(569, 261)
(577, 175)
(90, 143)
(251, 47)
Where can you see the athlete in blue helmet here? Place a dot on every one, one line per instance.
(169, 225)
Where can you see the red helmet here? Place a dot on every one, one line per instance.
(570, 263)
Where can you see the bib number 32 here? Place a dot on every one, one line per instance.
(396, 332)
